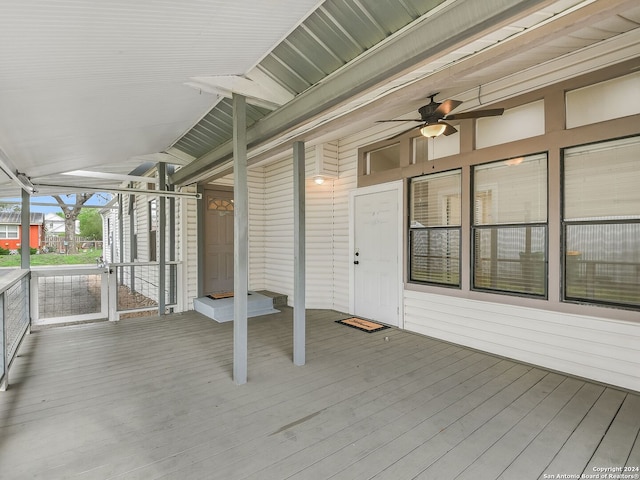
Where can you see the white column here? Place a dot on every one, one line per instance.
(25, 248)
(162, 234)
(299, 317)
(240, 240)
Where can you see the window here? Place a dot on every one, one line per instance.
(221, 205)
(153, 227)
(434, 236)
(427, 149)
(133, 226)
(601, 223)
(385, 158)
(510, 226)
(9, 231)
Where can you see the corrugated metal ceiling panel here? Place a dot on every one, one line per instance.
(216, 127)
(332, 36)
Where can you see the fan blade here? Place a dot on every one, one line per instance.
(401, 120)
(450, 130)
(403, 132)
(476, 114)
(445, 107)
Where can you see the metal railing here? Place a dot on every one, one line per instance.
(137, 287)
(55, 295)
(68, 294)
(14, 321)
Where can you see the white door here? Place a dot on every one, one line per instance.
(375, 257)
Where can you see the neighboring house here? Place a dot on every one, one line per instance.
(54, 224)
(11, 230)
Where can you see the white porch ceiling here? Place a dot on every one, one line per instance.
(102, 86)
(88, 84)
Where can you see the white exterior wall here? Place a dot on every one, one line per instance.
(278, 228)
(187, 247)
(596, 348)
(110, 236)
(271, 228)
(257, 216)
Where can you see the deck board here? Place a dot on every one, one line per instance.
(615, 447)
(497, 457)
(583, 442)
(153, 398)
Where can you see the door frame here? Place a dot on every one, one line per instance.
(395, 186)
(202, 211)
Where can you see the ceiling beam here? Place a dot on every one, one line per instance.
(265, 94)
(457, 22)
(21, 179)
(51, 188)
(111, 176)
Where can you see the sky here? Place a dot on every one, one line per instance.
(97, 199)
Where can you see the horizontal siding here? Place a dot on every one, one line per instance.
(597, 348)
(257, 215)
(271, 232)
(278, 227)
(319, 244)
(187, 253)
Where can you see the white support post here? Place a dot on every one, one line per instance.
(4, 384)
(25, 247)
(240, 240)
(113, 296)
(104, 293)
(34, 306)
(299, 317)
(162, 227)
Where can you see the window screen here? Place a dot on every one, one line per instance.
(601, 223)
(510, 226)
(434, 237)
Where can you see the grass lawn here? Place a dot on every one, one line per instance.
(84, 258)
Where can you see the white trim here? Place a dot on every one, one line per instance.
(111, 176)
(396, 186)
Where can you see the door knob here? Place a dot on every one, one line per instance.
(356, 262)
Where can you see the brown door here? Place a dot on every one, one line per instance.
(218, 241)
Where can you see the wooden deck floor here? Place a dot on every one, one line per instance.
(153, 398)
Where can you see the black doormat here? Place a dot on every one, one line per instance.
(361, 324)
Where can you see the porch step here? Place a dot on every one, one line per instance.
(221, 310)
(279, 299)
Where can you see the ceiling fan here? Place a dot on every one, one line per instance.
(434, 114)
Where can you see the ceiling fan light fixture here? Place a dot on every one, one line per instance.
(433, 130)
(512, 162)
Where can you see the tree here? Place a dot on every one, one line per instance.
(90, 224)
(5, 207)
(71, 209)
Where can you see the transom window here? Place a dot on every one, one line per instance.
(381, 159)
(219, 204)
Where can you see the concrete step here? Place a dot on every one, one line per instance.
(279, 299)
(221, 310)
